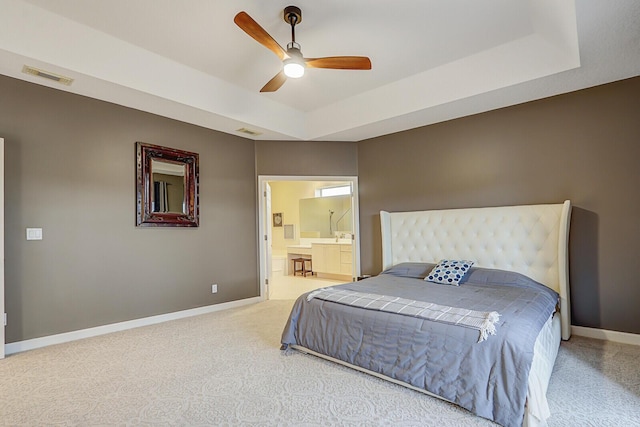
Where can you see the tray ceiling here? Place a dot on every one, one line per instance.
(432, 60)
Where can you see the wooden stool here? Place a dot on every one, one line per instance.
(304, 267)
(301, 269)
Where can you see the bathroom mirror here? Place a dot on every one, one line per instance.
(167, 187)
(325, 216)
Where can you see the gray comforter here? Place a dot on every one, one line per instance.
(487, 378)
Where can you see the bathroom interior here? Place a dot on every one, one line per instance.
(313, 221)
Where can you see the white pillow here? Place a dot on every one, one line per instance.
(449, 272)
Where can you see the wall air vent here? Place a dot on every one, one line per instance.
(47, 75)
(249, 131)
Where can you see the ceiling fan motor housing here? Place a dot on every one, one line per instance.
(291, 12)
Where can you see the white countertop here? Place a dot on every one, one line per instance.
(306, 247)
(318, 243)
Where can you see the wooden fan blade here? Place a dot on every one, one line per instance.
(275, 83)
(340, 62)
(251, 27)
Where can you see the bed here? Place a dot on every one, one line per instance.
(493, 350)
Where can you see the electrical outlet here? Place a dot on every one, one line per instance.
(214, 288)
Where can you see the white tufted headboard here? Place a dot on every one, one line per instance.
(531, 240)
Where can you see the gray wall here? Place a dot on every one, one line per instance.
(583, 146)
(70, 169)
(308, 158)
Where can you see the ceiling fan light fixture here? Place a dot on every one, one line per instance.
(294, 65)
(293, 68)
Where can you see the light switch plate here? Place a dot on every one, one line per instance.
(34, 233)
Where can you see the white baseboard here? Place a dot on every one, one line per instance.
(603, 334)
(16, 347)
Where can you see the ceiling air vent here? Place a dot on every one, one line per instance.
(47, 75)
(249, 131)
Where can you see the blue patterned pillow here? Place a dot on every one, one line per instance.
(449, 272)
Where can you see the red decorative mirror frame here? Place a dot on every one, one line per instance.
(158, 210)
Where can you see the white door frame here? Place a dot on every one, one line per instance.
(263, 221)
(268, 270)
(2, 248)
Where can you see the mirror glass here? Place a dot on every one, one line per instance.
(325, 216)
(167, 187)
(167, 192)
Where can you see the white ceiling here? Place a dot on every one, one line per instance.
(431, 60)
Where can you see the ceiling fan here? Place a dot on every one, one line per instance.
(294, 63)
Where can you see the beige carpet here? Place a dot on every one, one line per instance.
(225, 369)
(291, 287)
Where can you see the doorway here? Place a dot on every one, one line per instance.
(282, 231)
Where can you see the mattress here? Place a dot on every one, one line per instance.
(545, 352)
(487, 378)
(544, 356)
